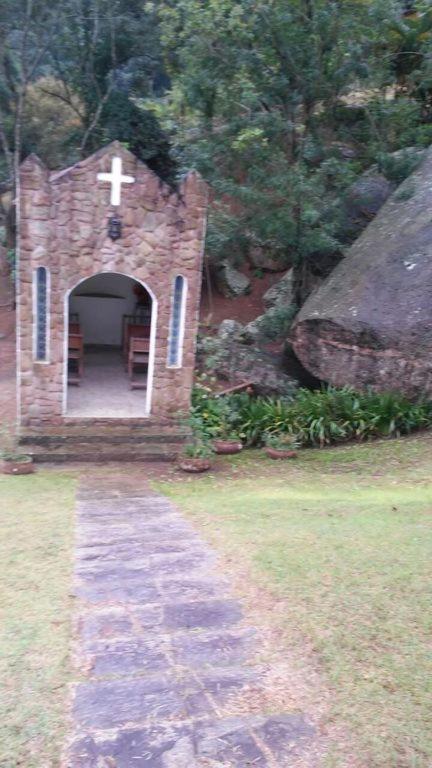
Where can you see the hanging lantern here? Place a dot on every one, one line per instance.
(114, 227)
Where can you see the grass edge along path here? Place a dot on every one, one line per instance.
(342, 538)
(36, 536)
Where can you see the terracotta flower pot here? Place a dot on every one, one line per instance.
(227, 447)
(278, 453)
(17, 467)
(194, 464)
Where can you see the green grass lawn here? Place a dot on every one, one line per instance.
(344, 537)
(36, 562)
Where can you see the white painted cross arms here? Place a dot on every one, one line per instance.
(117, 179)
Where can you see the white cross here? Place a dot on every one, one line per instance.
(116, 178)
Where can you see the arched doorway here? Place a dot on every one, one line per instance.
(110, 330)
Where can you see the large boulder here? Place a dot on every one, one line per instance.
(370, 323)
(273, 324)
(230, 282)
(229, 329)
(281, 292)
(364, 198)
(262, 258)
(236, 363)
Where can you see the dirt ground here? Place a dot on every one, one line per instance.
(216, 307)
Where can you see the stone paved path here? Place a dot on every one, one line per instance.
(164, 671)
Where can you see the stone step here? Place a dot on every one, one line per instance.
(103, 428)
(101, 452)
(148, 438)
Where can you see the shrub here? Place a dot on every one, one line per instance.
(316, 418)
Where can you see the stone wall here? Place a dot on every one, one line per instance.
(64, 218)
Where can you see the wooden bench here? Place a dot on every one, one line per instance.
(139, 351)
(76, 356)
(137, 331)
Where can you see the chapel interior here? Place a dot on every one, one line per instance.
(109, 325)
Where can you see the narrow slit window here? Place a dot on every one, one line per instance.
(41, 310)
(175, 347)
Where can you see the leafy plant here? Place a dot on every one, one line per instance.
(198, 450)
(277, 321)
(281, 441)
(316, 418)
(398, 166)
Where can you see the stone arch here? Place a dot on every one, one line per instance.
(153, 333)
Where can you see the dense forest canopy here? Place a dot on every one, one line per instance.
(280, 105)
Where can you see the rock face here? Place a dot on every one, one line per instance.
(262, 258)
(234, 362)
(366, 196)
(363, 201)
(273, 324)
(230, 282)
(281, 292)
(229, 329)
(370, 323)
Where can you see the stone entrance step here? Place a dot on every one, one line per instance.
(94, 441)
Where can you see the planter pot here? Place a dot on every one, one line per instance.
(194, 465)
(17, 467)
(227, 447)
(276, 453)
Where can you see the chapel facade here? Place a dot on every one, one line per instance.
(108, 291)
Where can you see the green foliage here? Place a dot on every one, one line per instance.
(83, 70)
(139, 129)
(247, 417)
(198, 450)
(282, 441)
(399, 166)
(276, 322)
(315, 418)
(257, 89)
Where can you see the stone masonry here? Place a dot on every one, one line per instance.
(64, 220)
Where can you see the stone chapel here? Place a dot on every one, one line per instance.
(108, 291)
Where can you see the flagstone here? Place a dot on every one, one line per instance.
(163, 650)
(209, 613)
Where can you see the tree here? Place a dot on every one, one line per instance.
(107, 53)
(72, 77)
(27, 28)
(258, 89)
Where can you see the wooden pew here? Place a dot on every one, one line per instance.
(76, 356)
(139, 350)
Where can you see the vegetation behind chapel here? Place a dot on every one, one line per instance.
(280, 105)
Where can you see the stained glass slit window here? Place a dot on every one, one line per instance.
(177, 323)
(41, 309)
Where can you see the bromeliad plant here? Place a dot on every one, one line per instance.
(318, 418)
(335, 415)
(198, 450)
(281, 445)
(282, 441)
(196, 456)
